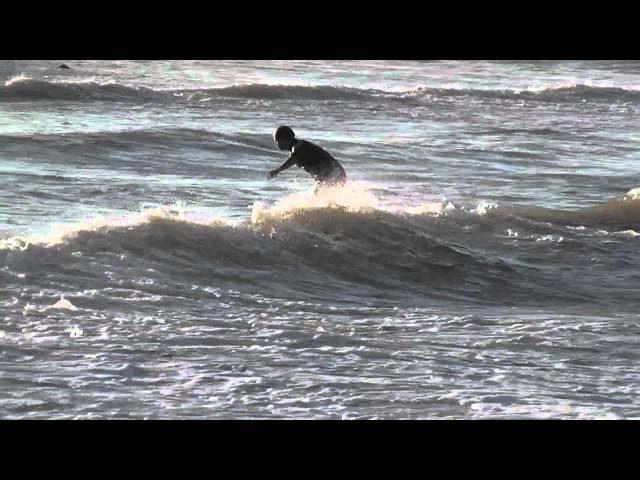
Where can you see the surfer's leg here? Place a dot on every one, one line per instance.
(322, 186)
(336, 178)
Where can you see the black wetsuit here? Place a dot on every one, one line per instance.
(317, 162)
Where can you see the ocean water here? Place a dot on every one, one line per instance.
(481, 262)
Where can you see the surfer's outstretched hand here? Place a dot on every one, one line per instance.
(273, 174)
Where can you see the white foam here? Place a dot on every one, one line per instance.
(550, 238)
(355, 197)
(75, 332)
(63, 304)
(18, 78)
(630, 233)
(59, 233)
(633, 194)
(484, 207)
(14, 243)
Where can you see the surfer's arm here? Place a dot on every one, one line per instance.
(288, 163)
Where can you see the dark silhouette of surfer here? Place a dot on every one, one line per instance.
(313, 159)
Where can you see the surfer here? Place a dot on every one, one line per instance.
(313, 159)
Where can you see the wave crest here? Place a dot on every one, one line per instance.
(24, 89)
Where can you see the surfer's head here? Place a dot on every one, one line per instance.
(284, 137)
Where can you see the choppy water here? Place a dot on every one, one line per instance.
(482, 262)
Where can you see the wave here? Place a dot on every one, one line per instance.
(573, 93)
(525, 131)
(154, 136)
(273, 92)
(319, 250)
(342, 244)
(619, 214)
(27, 89)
